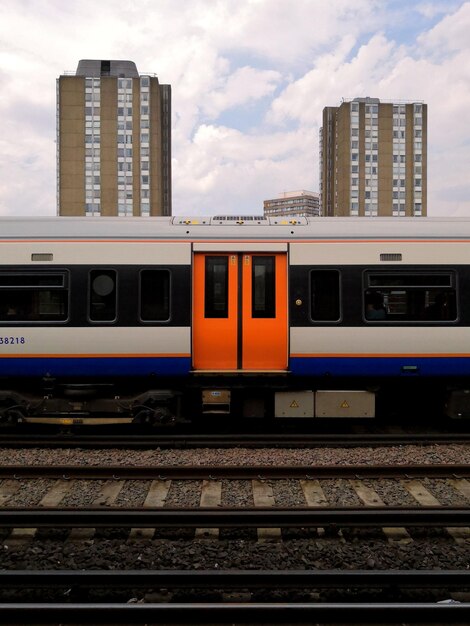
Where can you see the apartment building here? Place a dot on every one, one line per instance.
(113, 141)
(373, 159)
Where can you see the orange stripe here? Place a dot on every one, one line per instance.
(236, 241)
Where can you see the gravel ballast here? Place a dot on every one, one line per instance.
(269, 457)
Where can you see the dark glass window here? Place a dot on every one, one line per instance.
(407, 279)
(407, 296)
(155, 295)
(103, 296)
(216, 287)
(38, 297)
(263, 287)
(325, 295)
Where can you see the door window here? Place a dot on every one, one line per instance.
(216, 287)
(263, 285)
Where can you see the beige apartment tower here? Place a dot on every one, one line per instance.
(373, 159)
(113, 142)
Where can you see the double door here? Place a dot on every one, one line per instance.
(240, 311)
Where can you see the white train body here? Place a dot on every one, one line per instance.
(245, 309)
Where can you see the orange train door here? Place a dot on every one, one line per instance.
(240, 311)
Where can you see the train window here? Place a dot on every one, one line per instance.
(155, 295)
(102, 296)
(325, 295)
(36, 297)
(410, 296)
(216, 287)
(263, 287)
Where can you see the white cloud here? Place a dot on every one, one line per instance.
(431, 9)
(449, 35)
(334, 77)
(233, 172)
(244, 85)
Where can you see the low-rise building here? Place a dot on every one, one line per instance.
(294, 204)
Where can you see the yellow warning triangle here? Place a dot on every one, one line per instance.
(345, 405)
(294, 405)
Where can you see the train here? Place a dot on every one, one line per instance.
(172, 319)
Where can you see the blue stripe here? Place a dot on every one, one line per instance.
(385, 366)
(121, 366)
(181, 366)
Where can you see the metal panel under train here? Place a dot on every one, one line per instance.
(294, 404)
(344, 404)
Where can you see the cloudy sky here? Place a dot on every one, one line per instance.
(249, 82)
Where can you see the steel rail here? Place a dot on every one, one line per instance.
(234, 518)
(198, 472)
(228, 613)
(283, 440)
(235, 579)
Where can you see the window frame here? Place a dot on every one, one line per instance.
(452, 287)
(269, 278)
(64, 287)
(226, 310)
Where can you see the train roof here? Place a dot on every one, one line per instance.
(233, 227)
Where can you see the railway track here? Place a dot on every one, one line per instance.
(384, 596)
(206, 483)
(228, 472)
(238, 614)
(230, 517)
(230, 440)
(222, 583)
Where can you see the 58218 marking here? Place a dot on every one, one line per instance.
(12, 340)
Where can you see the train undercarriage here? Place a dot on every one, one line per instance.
(66, 402)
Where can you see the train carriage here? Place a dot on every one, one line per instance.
(165, 318)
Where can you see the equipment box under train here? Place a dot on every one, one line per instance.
(344, 404)
(294, 404)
